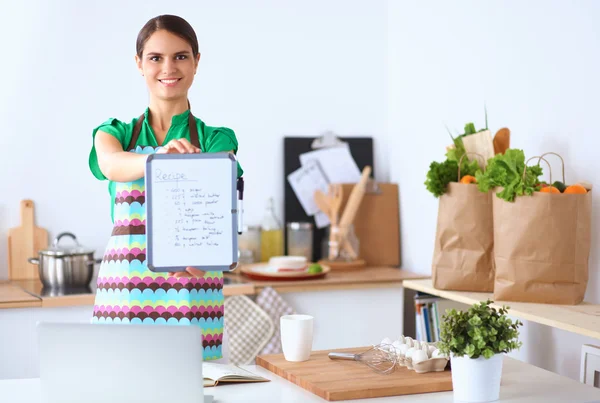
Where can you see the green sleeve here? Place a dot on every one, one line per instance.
(113, 127)
(223, 139)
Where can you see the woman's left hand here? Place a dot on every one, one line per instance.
(189, 272)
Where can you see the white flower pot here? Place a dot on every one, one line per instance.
(476, 380)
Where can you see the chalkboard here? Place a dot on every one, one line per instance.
(191, 214)
(361, 149)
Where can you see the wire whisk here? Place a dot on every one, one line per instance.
(381, 358)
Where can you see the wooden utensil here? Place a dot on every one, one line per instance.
(324, 203)
(25, 242)
(354, 200)
(502, 141)
(336, 195)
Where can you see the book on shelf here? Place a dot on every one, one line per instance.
(215, 374)
(429, 311)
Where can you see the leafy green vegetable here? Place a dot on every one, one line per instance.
(480, 331)
(442, 173)
(439, 175)
(506, 170)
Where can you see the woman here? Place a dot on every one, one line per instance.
(167, 56)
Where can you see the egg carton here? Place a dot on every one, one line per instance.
(419, 356)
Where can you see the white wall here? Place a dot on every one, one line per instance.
(535, 65)
(268, 69)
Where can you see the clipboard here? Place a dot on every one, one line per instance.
(191, 216)
(377, 223)
(361, 149)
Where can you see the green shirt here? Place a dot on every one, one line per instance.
(212, 139)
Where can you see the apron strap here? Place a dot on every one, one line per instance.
(136, 133)
(194, 138)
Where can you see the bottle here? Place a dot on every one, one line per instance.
(271, 236)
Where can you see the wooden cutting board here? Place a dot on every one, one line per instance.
(377, 224)
(335, 380)
(25, 242)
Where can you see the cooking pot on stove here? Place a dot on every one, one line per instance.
(65, 266)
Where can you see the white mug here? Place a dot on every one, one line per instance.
(296, 336)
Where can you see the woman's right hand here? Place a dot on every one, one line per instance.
(178, 146)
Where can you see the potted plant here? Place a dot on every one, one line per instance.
(476, 341)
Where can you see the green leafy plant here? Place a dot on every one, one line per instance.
(440, 174)
(480, 331)
(506, 170)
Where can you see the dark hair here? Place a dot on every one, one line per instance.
(172, 23)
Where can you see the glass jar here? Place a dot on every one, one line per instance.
(300, 239)
(249, 244)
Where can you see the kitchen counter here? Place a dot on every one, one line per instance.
(370, 277)
(31, 293)
(13, 296)
(521, 383)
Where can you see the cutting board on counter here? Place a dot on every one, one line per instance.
(335, 380)
(25, 242)
(377, 223)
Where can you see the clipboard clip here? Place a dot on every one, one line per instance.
(327, 139)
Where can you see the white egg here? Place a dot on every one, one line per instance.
(418, 356)
(410, 352)
(396, 346)
(438, 354)
(431, 350)
(403, 349)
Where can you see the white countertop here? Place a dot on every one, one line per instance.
(521, 383)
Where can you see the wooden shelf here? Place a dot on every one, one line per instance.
(583, 319)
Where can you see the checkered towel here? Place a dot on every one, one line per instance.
(249, 328)
(272, 303)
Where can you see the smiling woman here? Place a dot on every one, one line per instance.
(167, 56)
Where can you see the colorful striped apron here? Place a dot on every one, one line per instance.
(128, 292)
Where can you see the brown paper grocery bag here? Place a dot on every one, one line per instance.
(463, 252)
(542, 247)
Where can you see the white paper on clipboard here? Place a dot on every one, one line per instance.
(336, 162)
(321, 220)
(305, 181)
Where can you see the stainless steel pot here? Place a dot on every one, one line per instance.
(63, 267)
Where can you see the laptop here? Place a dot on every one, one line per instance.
(84, 362)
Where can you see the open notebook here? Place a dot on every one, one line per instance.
(223, 373)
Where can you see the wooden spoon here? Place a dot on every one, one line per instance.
(502, 141)
(325, 204)
(336, 194)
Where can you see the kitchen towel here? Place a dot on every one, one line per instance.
(249, 329)
(275, 306)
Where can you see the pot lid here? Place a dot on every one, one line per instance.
(60, 250)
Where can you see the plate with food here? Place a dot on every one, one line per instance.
(284, 268)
